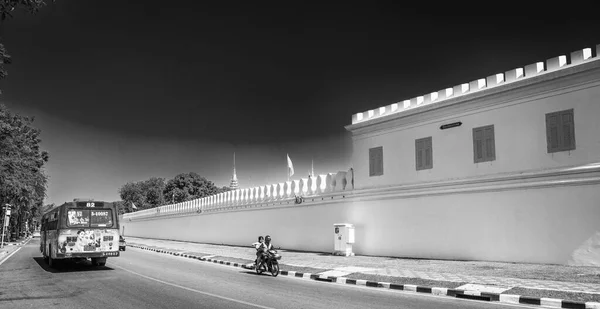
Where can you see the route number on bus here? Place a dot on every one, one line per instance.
(90, 205)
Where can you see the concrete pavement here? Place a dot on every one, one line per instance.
(328, 266)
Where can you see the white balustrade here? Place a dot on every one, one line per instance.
(261, 197)
(287, 189)
(295, 187)
(273, 190)
(329, 181)
(304, 186)
(314, 185)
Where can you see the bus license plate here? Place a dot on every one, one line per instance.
(111, 253)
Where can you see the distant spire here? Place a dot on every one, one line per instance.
(234, 175)
(234, 182)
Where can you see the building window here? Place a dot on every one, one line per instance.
(484, 146)
(560, 131)
(424, 153)
(376, 161)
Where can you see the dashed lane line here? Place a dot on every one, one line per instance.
(193, 290)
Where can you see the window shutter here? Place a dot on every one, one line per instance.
(552, 132)
(429, 154)
(380, 161)
(490, 151)
(371, 162)
(376, 161)
(423, 153)
(418, 154)
(567, 129)
(477, 144)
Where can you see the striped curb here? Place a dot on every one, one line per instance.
(16, 244)
(465, 294)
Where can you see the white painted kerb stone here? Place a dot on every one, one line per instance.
(509, 298)
(551, 302)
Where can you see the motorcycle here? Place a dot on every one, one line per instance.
(270, 260)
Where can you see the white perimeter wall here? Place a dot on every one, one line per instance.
(540, 219)
(536, 225)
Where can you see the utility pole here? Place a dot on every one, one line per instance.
(6, 214)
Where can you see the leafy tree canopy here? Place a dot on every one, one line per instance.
(156, 192)
(23, 181)
(144, 194)
(22, 178)
(188, 186)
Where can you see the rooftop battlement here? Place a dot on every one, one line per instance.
(515, 75)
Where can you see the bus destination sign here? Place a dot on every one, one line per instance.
(89, 204)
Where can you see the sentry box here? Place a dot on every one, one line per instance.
(343, 239)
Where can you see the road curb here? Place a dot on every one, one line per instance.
(464, 294)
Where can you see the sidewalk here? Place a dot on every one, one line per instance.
(10, 247)
(551, 281)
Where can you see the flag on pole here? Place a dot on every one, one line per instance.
(290, 166)
(133, 205)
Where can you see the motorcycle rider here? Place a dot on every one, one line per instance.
(268, 244)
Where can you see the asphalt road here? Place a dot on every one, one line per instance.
(143, 279)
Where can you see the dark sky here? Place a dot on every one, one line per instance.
(133, 89)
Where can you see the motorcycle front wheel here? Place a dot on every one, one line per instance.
(275, 269)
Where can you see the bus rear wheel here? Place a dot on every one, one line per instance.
(53, 263)
(98, 261)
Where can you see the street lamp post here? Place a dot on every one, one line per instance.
(6, 209)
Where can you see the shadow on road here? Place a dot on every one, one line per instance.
(67, 266)
(266, 274)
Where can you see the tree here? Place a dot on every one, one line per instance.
(121, 207)
(22, 178)
(188, 186)
(153, 191)
(144, 194)
(132, 192)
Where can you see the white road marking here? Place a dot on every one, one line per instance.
(193, 290)
(8, 257)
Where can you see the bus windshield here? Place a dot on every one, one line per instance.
(89, 218)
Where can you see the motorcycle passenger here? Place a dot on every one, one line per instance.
(260, 245)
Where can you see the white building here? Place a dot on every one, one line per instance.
(545, 116)
(501, 168)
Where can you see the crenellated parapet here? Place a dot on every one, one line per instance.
(499, 79)
(262, 196)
